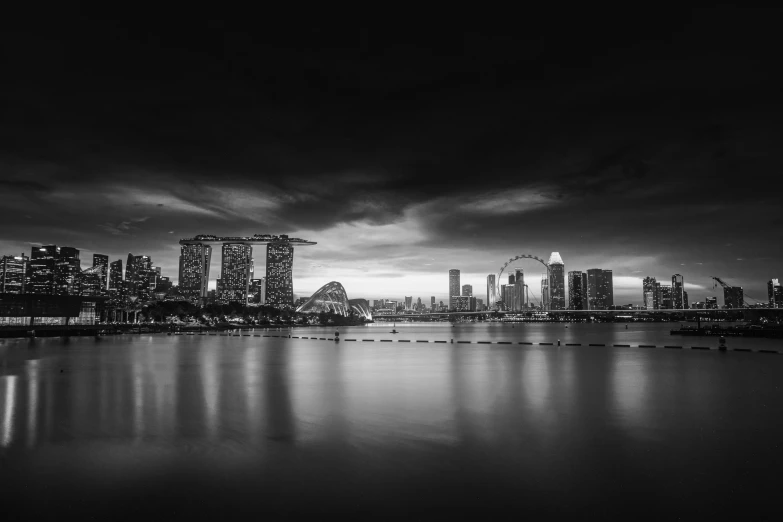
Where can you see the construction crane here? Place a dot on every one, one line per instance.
(736, 290)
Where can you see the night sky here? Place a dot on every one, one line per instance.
(646, 143)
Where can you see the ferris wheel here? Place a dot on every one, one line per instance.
(503, 268)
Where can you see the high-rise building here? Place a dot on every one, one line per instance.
(600, 289)
(140, 277)
(491, 298)
(130, 275)
(577, 291)
(545, 303)
(609, 288)
(163, 284)
(480, 305)
(775, 293)
(13, 274)
(234, 283)
(116, 288)
(54, 270)
(556, 282)
(194, 271)
(778, 295)
(649, 293)
(453, 287)
(90, 281)
(279, 274)
(733, 297)
(678, 289)
(43, 269)
(519, 291)
(408, 302)
(467, 290)
(461, 303)
(711, 303)
(257, 291)
(418, 304)
(509, 296)
(432, 303)
(665, 297)
(68, 271)
(101, 262)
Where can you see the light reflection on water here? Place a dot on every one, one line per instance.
(9, 411)
(545, 419)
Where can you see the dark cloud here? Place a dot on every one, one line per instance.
(654, 138)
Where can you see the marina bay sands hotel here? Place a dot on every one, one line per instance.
(236, 271)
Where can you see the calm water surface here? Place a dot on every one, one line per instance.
(178, 426)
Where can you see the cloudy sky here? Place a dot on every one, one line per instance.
(645, 144)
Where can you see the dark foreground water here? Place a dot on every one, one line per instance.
(182, 426)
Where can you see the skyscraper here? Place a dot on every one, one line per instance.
(600, 291)
(649, 293)
(432, 303)
(101, 262)
(510, 291)
(577, 291)
(13, 274)
(163, 285)
(665, 300)
(418, 304)
(408, 302)
(279, 274)
(67, 272)
(775, 293)
(545, 302)
(42, 269)
(116, 288)
(519, 292)
(234, 283)
(130, 275)
(54, 270)
(140, 277)
(556, 282)
(678, 287)
(90, 281)
(194, 271)
(771, 284)
(608, 288)
(491, 298)
(733, 297)
(467, 290)
(453, 287)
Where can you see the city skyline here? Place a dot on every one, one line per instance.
(621, 162)
(630, 290)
